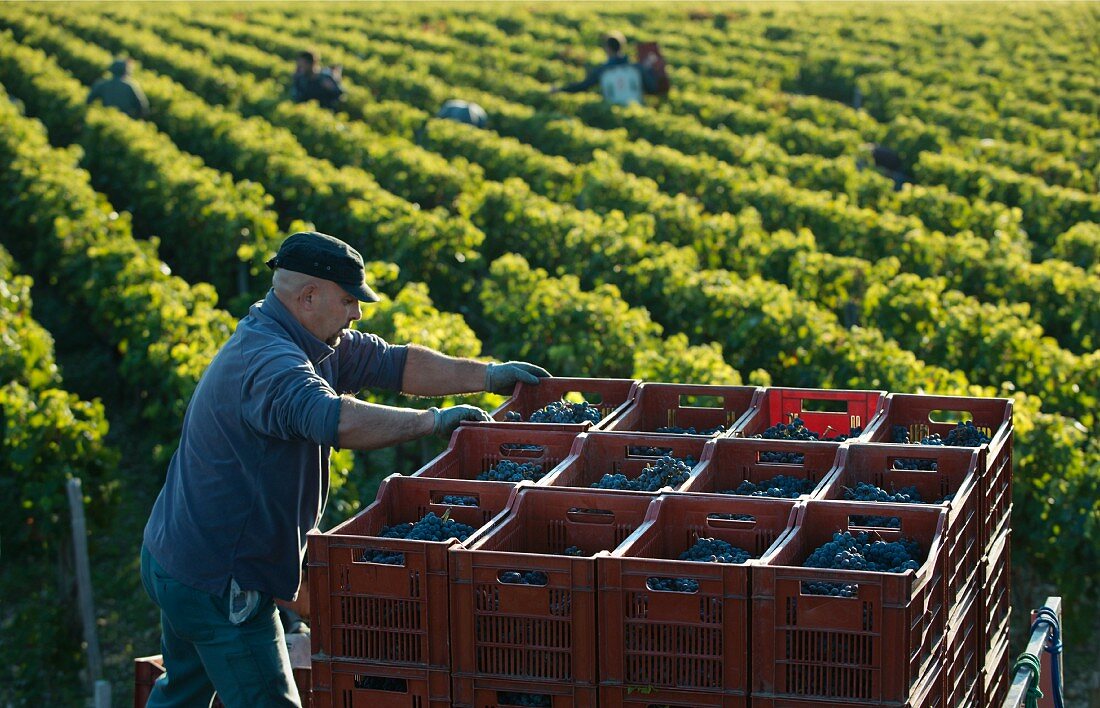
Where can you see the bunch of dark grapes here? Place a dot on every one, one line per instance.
(531, 577)
(643, 451)
(966, 435)
(560, 412)
(705, 550)
(512, 698)
(574, 551)
(457, 500)
(795, 430)
(867, 492)
(508, 471)
(781, 486)
(691, 430)
(891, 522)
(848, 551)
(667, 471)
(429, 528)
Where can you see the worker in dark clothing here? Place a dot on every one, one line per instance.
(464, 112)
(250, 477)
(621, 81)
(121, 91)
(312, 82)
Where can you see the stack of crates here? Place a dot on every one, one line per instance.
(571, 595)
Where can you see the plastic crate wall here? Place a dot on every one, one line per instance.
(598, 453)
(347, 685)
(391, 614)
(873, 647)
(537, 632)
(696, 642)
(474, 449)
(782, 405)
(614, 395)
(491, 693)
(956, 474)
(728, 462)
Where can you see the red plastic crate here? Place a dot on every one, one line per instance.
(872, 648)
(632, 697)
(956, 473)
(995, 676)
(963, 659)
(992, 415)
(610, 396)
(537, 632)
(348, 685)
(473, 449)
(663, 405)
(598, 453)
(490, 693)
(847, 409)
(730, 461)
(394, 615)
(995, 595)
(658, 639)
(148, 668)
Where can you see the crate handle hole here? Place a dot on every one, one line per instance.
(819, 588)
(718, 520)
(642, 451)
(515, 576)
(522, 450)
(516, 698)
(688, 400)
(593, 397)
(663, 584)
(445, 499)
(824, 405)
(590, 516)
(779, 457)
(380, 556)
(381, 683)
(881, 524)
(951, 417)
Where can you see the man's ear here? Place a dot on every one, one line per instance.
(308, 296)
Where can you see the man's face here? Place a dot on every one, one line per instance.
(333, 312)
(304, 66)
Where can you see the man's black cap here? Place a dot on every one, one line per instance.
(327, 257)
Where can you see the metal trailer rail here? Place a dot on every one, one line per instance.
(1045, 641)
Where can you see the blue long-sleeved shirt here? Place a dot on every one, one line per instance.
(250, 477)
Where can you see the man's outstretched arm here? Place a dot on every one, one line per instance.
(430, 373)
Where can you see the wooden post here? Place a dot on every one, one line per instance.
(84, 579)
(102, 694)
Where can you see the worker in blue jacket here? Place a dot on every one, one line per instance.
(249, 480)
(621, 81)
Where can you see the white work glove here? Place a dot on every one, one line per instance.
(447, 419)
(502, 378)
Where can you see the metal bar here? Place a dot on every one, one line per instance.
(84, 578)
(1017, 692)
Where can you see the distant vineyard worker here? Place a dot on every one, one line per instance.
(227, 534)
(464, 112)
(121, 91)
(312, 82)
(621, 82)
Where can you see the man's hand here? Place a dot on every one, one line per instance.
(447, 419)
(502, 378)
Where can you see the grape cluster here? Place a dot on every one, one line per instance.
(867, 492)
(560, 412)
(512, 698)
(705, 550)
(574, 551)
(962, 435)
(891, 522)
(795, 430)
(531, 577)
(520, 446)
(643, 451)
(848, 551)
(966, 435)
(667, 471)
(781, 486)
(429, 528)
(457, 500)
(508, 471)
(691, 431)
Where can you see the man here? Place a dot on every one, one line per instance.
(312, 83)
(464, 112)
(227, 534)
(121, 91)
(621, 82)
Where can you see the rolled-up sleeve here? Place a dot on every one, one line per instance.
(368, 361)
(285, 398)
